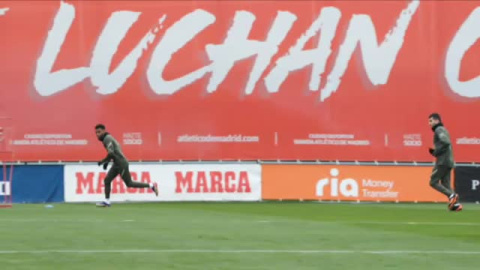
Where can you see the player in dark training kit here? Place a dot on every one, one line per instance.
(120, 165)
(440, 178)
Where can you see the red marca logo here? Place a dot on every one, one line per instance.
(212, 182)
(92, 183)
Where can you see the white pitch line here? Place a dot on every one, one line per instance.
(279, 251)
(420, 223)
(409, 223)
(415, 223)
(57, 220)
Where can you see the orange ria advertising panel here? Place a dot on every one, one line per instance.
(348, 183)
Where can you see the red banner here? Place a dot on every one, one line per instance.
(343, 80)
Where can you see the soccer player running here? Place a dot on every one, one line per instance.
(120, 165)
(440, 178)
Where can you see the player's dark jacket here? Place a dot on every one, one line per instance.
(114, 151)
(443, 146)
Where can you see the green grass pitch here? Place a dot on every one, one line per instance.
(268, 235)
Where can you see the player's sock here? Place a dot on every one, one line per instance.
(107, 201)
(154, 187)
(452, 200)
